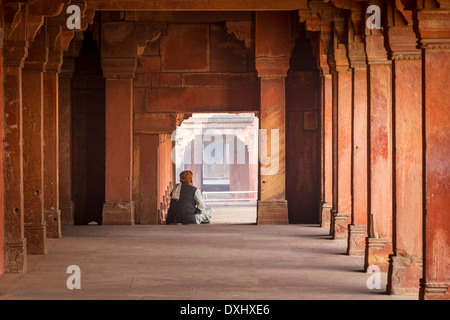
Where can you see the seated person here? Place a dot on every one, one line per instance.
(186, 204)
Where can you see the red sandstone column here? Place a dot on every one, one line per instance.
(119, 62)
(1, 158)
(434, 27)
(33, 147)
(357, 230)
(15, 252)
(405, 269)
(118, 207)
(51, 144)
(272, 63)
(406, 262)
(65, 143)
(358, 227)
(342, 138)
(379, 241)
(342, 215)
(327, 206)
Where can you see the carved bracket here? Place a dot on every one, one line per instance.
(244, 31)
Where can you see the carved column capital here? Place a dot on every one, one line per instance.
(272, 67)
(402, 39)
(434, 28)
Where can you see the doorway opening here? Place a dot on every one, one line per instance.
(221, 149)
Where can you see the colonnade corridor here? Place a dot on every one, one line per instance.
(196, 262)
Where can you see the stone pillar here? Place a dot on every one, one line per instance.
(272, 63)
(326, 64)
(342, 214)
(379, 240)
(1, 158)
(51, 144)
(66, 204)
(33, 147)
(14, 53)
(327, 131)
(434, 26)
(119, 62)
(342, 115)
(357, 230)
(405, 268)
(119, 207)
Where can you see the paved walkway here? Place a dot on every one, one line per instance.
(213, 261)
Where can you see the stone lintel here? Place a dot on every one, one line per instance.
(155, 123)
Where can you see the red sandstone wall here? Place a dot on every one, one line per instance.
(207, 71)
(1, 164)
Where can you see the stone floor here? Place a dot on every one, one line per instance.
(216, 261)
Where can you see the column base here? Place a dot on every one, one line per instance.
(356, 240)
(339, 228)
(15, 256)
(272, 212)
(67, 213)
(118, 213)
(53, 220)
(377, 253)
(326, 210)
(36, 237)
(404, 275)
(430, 290)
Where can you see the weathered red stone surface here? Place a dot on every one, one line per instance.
(196, 5)
(357, 229)
(14, 240)
(33, 154)
(342, 216)
(407, 261)
(51, 165)
(327, 151)
(1, 158)
(437, 176)
(272, 42)
(190, 100)
(66, 204)
(146, 160)
(381, 197)
(191, 54)
(119, 145)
